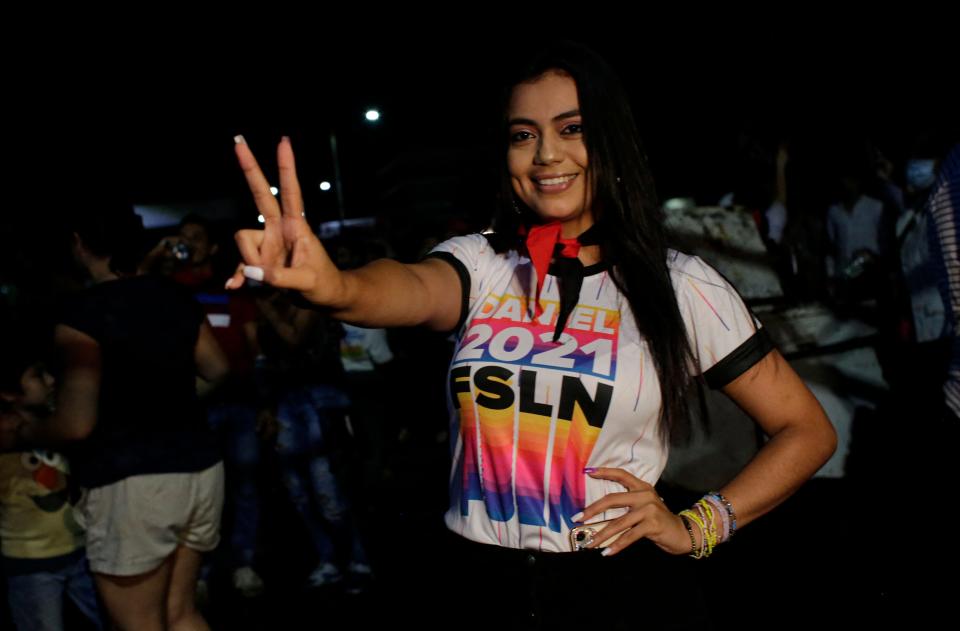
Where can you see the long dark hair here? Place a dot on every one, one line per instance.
(625, 208)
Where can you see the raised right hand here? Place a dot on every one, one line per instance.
(286, 250)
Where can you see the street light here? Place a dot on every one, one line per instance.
(336, 174)
(372, 115)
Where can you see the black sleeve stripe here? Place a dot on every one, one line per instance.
(740, 360)
(464, 275)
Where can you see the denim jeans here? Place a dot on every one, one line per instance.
(36, 598)
(303, 417)
(236, 427)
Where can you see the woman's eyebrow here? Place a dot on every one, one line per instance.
(527, 121)
(569, 114)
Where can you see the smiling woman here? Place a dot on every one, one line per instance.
(546, 156)
(578, 332)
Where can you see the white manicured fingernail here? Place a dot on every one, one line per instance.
(606, 552)
(253, 273)
(578, 517)
(240, 140)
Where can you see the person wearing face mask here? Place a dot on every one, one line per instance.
(577, 333)
(912, 237)
(915, 330)
(921, 173)
(926, 396)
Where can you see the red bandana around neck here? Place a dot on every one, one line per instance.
(542, 243)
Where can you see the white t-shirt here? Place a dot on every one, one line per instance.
(776, 221)
(852, 231)
(527, 415)
(362, 350)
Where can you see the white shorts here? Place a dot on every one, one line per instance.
(133, 525)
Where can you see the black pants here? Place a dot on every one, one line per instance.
(642, 587)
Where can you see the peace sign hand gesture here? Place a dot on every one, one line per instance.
(286, 253)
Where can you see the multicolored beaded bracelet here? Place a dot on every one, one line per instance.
(711, 537)
(721, 512)
(730, 513)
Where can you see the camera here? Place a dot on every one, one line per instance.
(180, 250)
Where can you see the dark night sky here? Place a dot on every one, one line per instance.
(153, 117)
(148, 114)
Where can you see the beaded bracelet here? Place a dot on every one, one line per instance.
(730, 513)
(693, 540)
(707, 514)
(695, 518)
(721, 512)
(705, 540)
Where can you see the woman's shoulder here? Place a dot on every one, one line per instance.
(484, 240)
(690, 272)
(683, 263)
(476, 247)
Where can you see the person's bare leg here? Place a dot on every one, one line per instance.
(182, 613)
(136, 603)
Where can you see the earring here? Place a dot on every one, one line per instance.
(516, 208)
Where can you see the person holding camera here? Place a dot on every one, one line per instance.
(127, 415)
(237, 409)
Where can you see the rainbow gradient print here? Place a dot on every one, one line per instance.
(493, 383)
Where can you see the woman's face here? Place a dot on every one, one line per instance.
(546, 156)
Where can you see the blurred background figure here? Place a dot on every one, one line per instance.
(43, 555)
